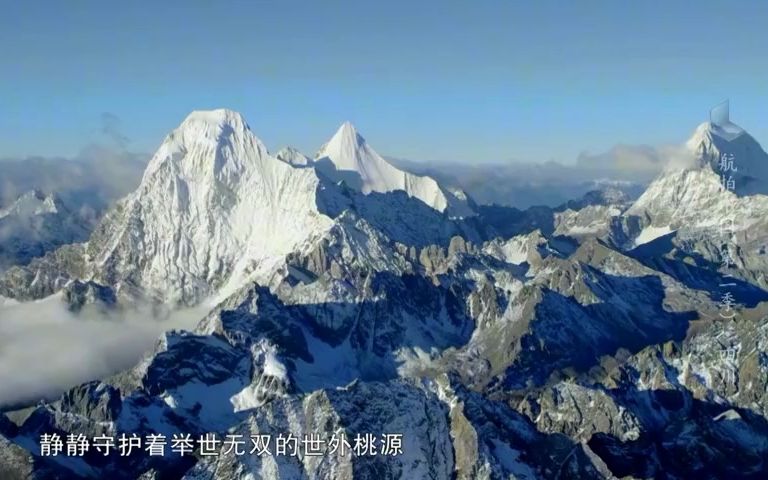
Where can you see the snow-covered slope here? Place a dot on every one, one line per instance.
(348, 157)
(29, 204)
(694, 198)
(693, 194)
(292, 156)
(37, 223)
(711, 143)
(214, 210)
(212, 207)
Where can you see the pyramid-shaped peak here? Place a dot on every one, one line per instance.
(348, 134)
(348, 128)
(708, 132)
(723, 150)
(347, 149)
(32, 202)
(209, 142)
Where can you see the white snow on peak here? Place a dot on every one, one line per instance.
(293, 157)
(348, 157)
(348, 150)
(712, 143)
(213, 207)
(706, 132)
(215, 210)
(722, 169)
(651, 233)
(218, 117)
(517, 249)
(30, 204)
(221, 137)
(694, 199)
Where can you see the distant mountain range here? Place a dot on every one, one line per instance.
(37, 223)
(347, 295)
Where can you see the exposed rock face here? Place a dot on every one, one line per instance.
(357, 409)
(44, 276)
(573, 343)
(78, 293)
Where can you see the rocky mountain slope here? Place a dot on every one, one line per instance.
(349, 297)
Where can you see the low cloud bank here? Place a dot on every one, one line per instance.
(96, 177)
(522, 185)
(46, 349)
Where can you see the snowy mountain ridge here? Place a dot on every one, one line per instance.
(30, 204)
(546, 344)
(212, 206)
(698, 194)
(347, 156)
(730, 151)
(36, 223)
(293, 156)
(215, 210)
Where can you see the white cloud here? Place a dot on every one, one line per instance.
(45, 348)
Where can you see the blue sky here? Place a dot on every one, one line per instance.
(440, 81)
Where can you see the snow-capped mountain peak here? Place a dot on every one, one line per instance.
(212, 207)
(348, 150)
(348, 157)
(36, 223)
(293, 157)
(217, 117)
(707, 132)
(494, 348)
(726, 172)
(729, 150)
(220, 137)
(29, 204)
(214, 210)
(203, 126)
